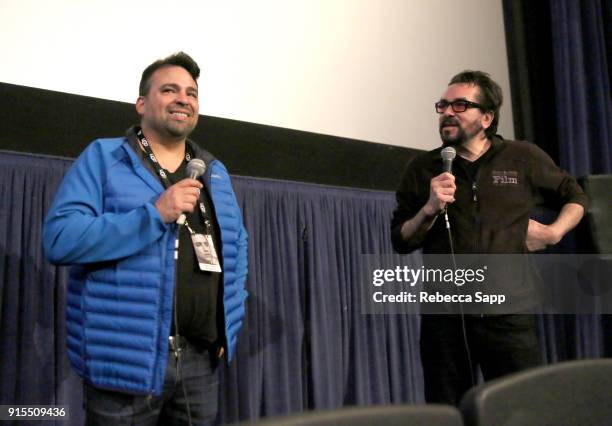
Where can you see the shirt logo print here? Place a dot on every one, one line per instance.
(505, 177)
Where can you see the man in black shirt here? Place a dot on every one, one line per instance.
(495, 186)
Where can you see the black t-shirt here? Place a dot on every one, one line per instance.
(471, 167)
(197, 291)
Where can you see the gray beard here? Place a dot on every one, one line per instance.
(460, 138)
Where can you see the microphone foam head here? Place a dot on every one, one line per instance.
(448, 153)
(196, 168)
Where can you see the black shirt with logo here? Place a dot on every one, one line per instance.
(493, 201)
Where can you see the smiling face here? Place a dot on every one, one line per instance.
(458, 128)
(169, 111)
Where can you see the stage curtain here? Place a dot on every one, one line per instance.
(582, 55)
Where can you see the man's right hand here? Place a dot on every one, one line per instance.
(441, 191)
(179, 198)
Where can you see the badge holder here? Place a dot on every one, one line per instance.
(205, 252)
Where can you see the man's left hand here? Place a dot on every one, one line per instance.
(539, 236)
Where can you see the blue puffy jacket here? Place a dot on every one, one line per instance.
(121, 287)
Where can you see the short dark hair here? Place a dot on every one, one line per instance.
(179, 59)
(489, 94)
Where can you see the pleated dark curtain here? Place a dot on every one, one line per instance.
(305, 343)
(582, 54)
(34, 367)
(560, 60)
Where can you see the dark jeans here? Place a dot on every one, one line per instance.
(200, 380)
(499, 344)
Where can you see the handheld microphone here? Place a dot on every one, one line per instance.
(448, 155)
(195, 169)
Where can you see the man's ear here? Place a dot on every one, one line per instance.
(487, 119)
(140, 105)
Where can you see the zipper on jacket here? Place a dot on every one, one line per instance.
(476, 213)
(157, 362)
(224, 340)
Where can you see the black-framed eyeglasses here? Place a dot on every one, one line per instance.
(460, 105)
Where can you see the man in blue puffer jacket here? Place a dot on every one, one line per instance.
(159, 261)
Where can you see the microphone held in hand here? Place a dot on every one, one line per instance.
(448, 155)
(195, 169)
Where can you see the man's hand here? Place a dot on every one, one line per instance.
(540, 236)
(179, 198)
(441, 191)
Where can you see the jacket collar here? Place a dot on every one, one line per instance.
(134, 144)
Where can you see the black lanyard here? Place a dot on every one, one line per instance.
(166, 182)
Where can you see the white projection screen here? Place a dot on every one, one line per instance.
(362, 69)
